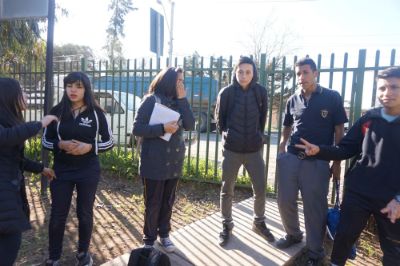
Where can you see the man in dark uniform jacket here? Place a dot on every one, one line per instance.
(314, 113)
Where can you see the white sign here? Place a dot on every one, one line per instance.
(19, 9)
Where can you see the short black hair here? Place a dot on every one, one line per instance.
(307, 61)
(390, 72)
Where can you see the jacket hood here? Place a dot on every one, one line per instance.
(254, 79)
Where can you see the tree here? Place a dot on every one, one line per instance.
(20, 41)
(70, 53)
(115, 30)
(266, 38)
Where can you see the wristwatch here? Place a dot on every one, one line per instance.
(397, 198)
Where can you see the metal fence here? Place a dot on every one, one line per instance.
(118, 85)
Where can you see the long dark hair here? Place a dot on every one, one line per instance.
(164, 82)
(63, 108)
(11, 100)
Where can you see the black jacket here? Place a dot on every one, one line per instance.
(160, 159)
(376, 143)
(12, 164)
(90, 127)
(241, 117)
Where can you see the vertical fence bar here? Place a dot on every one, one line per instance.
(360, 83)
(392, 57)
(374, 87)
(208, 118)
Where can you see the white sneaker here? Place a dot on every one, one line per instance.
(167, 244)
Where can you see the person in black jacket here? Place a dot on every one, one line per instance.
(14, 208)
(75, 143)
(372, 183)
(241, 112)
(161, 161)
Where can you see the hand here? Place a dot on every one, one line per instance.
(282, 148)
(392, 210)
(171, 127)
(180, 89)
(309, 148)
(335, 170)
(49, 173)
(67, 145)
(80, 149)
(47, 119)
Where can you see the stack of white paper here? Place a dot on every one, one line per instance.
(161, 115)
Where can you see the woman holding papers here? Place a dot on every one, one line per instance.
(161, 157)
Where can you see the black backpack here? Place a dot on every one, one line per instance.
(148, 257)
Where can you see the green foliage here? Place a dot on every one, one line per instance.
(20, 41)
(119, 163)
(33, 149)
(124, 164)
(115, 31)
(208, 174)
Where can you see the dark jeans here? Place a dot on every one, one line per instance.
(9, 246)
(61, 196)
(355, 212)
(159, 197)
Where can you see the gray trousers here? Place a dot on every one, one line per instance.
(311, 177)
(255, 166)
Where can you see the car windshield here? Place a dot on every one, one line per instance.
(133, 101)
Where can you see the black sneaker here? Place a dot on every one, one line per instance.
(50, 262)
(84, 259)
(288, 241)
(225, 234)
(262, 230)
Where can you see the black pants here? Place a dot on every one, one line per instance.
(159, 197)
(355, 212)
(61, 196)
(9, 246)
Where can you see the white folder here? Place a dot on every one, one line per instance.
(161, 115)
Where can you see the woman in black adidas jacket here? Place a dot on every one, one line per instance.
(14, 208)
(161, 161)
(81, 133)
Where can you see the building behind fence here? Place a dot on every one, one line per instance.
(120, 86)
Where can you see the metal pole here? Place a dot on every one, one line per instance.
(48, 87)
(158, 35)
(171, 33)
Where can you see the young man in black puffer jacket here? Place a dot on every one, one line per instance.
(241, 113)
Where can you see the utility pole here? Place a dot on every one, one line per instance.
(170, 26)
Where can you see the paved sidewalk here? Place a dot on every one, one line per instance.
(197, 242)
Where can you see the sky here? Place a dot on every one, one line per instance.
(226, 27)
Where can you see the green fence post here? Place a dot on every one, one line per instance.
(83, 64)
(359, 83)
(263, 63)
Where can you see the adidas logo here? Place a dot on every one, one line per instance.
(86, 122)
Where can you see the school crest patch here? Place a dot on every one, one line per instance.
(324, 113)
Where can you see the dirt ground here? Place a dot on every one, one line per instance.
(118, 220)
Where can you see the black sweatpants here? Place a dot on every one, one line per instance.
(159, 197)
(61, 196)
(355, 212)
(9, 246)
